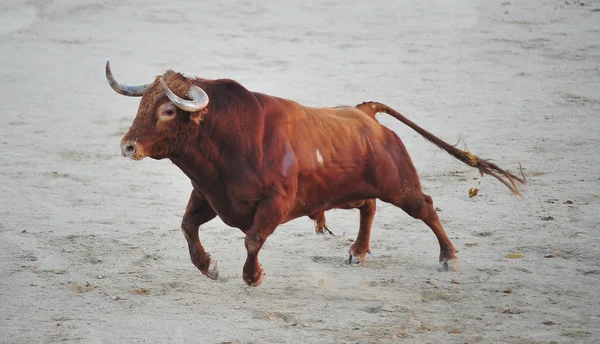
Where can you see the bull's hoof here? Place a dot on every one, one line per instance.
(448, 258)
(354, 259)
(213, 270)
(256, 279)
(357, 254)
(323, 230)
(449, 264)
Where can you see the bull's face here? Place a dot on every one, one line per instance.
(156, 131)
(164, 122)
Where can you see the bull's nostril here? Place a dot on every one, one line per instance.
(128, 149)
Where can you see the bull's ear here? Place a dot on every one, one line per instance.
(198, 116)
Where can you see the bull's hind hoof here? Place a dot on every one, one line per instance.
(213, 270)
(355, 259)
(357, 254)
(323, 230)
(448, 258)
(449, 264)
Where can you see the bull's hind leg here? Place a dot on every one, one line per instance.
(362, 244)
(420, 206)
(320, 223)
(198, 211)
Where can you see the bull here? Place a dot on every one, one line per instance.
(258, 161)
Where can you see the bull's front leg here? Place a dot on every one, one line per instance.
(198, 211)
(268, 216)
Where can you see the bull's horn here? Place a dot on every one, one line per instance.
(199, 98)
(126, 90)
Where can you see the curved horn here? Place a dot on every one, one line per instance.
(126, 90)
(199, 98)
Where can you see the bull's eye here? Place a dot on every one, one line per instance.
(166, 111)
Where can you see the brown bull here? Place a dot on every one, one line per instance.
(258, 161)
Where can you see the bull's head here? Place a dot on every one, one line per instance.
(164, 120)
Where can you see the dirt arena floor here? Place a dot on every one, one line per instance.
(90, 245)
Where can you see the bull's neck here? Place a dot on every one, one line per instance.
(209, 165)
(198, 167)
(229, 138)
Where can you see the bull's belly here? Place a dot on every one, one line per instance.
(311, 197)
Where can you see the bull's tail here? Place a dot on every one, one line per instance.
(484, 166)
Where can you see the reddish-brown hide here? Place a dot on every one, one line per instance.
(258, 161)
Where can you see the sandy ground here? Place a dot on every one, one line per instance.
(90, 246)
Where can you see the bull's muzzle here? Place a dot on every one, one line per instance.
(132, 150)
